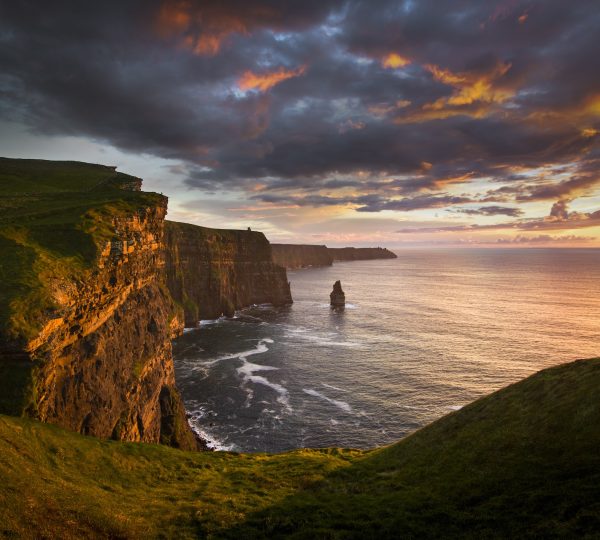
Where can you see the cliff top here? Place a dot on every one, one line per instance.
(36, 176)
(55, 219)
(522, 462)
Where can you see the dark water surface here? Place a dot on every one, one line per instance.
(422, 335)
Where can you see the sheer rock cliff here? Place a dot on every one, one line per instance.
(213, 272)
(303, 256)
(86, 316)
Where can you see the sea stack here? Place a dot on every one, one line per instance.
(337, 296)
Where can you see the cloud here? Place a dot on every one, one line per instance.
(559, 219)
(204, 27)
(264, 81)
(394, 61)
(491, 211)
(546, 239)
(411, 106)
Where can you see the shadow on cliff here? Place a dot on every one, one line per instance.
(522, 462)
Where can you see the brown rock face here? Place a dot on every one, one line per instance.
(301, 256)
(337, 296)
(213, 272)
(103, 360)
(360, 254)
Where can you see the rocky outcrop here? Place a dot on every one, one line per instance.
(301, 256)
(96, 358)
(337, 297)
(360, 254)
(213, 272)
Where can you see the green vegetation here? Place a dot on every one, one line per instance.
(55, 218)
(523, 462)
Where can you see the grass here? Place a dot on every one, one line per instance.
(55, 218)
(523, 462)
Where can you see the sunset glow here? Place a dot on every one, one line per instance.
(416, 123)
(264, 81)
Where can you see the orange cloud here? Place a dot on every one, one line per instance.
(201, 29)
(474, 94)
(394, 61)
(264, 81)
(470, 88)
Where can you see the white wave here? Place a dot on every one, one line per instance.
(247, 370)
(196, 415)
(333, 387)
(340, 404)
(260, 348)
(454, 407)
(207, 322)
(211, 441)
(328, 341)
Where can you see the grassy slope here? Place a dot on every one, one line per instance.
(55, 216)
(524, 461)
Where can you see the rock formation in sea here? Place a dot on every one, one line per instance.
(86, 317)
(337, 297)
(213, 272)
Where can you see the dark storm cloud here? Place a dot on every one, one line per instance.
(304, 100)
(491, 211)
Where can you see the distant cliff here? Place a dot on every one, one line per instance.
(301, 256)
(213, 272)
(360, 254)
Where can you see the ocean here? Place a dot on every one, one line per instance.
(421, 336)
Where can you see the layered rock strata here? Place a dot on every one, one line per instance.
(213, 272)
(97, 359)
(301, 256)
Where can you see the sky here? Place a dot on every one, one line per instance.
(369, 123)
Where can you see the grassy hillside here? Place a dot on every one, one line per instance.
(55, 216)
(523, 462)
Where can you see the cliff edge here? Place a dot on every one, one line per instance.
(213, 272)
(86, 320)
(360, 254)
(301, 256)
(306, 255)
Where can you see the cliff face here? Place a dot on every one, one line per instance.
(360, 254)
(301, 256)
(213, 272)
(93, 352)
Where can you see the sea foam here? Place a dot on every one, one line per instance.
(339, 404)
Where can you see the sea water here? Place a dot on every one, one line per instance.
(421, 336)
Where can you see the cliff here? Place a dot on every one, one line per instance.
(301, 256)
(213, 272)
(86, 320)
(520, 463)
(360, 254)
